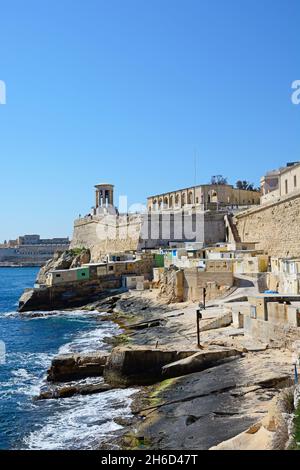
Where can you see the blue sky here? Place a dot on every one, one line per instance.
(125, 91)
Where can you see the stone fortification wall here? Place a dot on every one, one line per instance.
(101, 236)
(274, 226)
(108, 234)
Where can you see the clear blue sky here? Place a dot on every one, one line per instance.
(124, 91)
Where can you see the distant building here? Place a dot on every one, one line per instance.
(31, 250)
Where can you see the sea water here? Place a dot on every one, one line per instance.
(78, 422)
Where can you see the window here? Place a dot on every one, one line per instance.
(110, 268)
(253, 311)
(286, 186)
(57, 275)
(295, 181)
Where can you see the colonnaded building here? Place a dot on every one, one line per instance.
(204, 197)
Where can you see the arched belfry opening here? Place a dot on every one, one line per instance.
(104, 195)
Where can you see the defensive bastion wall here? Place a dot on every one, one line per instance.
(275, 226)
(99, 236)
(105, 235)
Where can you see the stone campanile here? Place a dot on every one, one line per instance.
(104, 195)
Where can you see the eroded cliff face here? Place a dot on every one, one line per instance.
(273, 226)
(64, 260)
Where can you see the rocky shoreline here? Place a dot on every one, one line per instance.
(186, 398)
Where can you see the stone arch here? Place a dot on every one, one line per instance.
(171, 201)
(160, 201)
(190, 198)
(212, 196)
(177, 200)
(183, 202)
(166, 202)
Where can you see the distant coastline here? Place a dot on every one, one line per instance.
(9, 265)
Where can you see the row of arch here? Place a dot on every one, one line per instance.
(179, 200)
(182, 199)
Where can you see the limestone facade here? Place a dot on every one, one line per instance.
(102, 235)
(273, 321)
(204, 196)
(282, 182)
(113, 234)
(178, 285)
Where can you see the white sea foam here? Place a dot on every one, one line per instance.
(21, 373)
(81, 422)
(21, 386)
(21, 381)
(10, 314)
(40, 314)
(89, 341)
(37, 360)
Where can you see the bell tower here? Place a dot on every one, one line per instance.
(104, 195)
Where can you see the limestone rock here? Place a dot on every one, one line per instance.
(66, 391)
(34, 299)
(198, 362)
(59, 261)
(255, 438)
(271, 433)
(139, 365)
(77, 366)
(66, 260)
(83, 258)
(171, 285)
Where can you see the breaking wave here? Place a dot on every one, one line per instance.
(81, 422)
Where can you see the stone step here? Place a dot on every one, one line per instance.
(220, 321)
